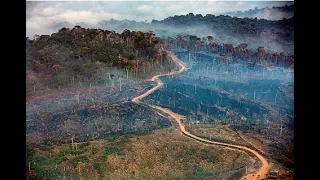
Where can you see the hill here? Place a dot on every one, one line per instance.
(89, 57)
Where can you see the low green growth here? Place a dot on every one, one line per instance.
(97, 166)
(209, 158)
(206, 155)
(78, 159)
(45, 147)
(72, 152)
(94, 151)
(30, 151)
(47, 173)
(112, 138)
(41, 160)
(190, 152)
(112, 150)
(139, 133)
(198, 173)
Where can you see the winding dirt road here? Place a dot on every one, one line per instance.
(259, 174)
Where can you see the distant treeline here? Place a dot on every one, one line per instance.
(240, 52)
(231, 25)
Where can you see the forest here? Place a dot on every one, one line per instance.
(83, 56)
(238, 53)
(79, 83)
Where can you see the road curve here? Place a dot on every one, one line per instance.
(260, 174)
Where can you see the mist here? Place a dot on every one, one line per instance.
(44, 18)
(268, 38)
(274, 13)
(212, 87)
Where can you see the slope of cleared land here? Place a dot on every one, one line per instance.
(161, 154)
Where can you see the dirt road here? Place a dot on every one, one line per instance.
(259, 174)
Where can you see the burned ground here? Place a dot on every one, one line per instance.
(101, 112)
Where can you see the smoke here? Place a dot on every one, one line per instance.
(272, 14)
(32, 8)
(211, 87)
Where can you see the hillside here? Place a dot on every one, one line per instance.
(89, 57)
(162, 154)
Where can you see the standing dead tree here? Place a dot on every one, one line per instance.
(120, 77)
(72, 145)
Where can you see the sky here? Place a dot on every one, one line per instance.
(42, 15)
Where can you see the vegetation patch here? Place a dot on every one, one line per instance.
(94, 151)
(190, 152)
(108, 150)
(198, 173)
(97, 166)
(206, 155)
(75, 161)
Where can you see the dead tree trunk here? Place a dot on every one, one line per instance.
(72, 143)
(79, 170)
(281, 121)
(161, 60)
(137, 66)
(127, 73)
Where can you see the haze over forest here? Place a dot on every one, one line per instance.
(198, 18)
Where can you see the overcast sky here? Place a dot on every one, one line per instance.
(41, 15)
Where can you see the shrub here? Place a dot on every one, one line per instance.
(78, 159)
(30, 151)
(97, 166)
(112, 150)
(94, 151)
(190, 152)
